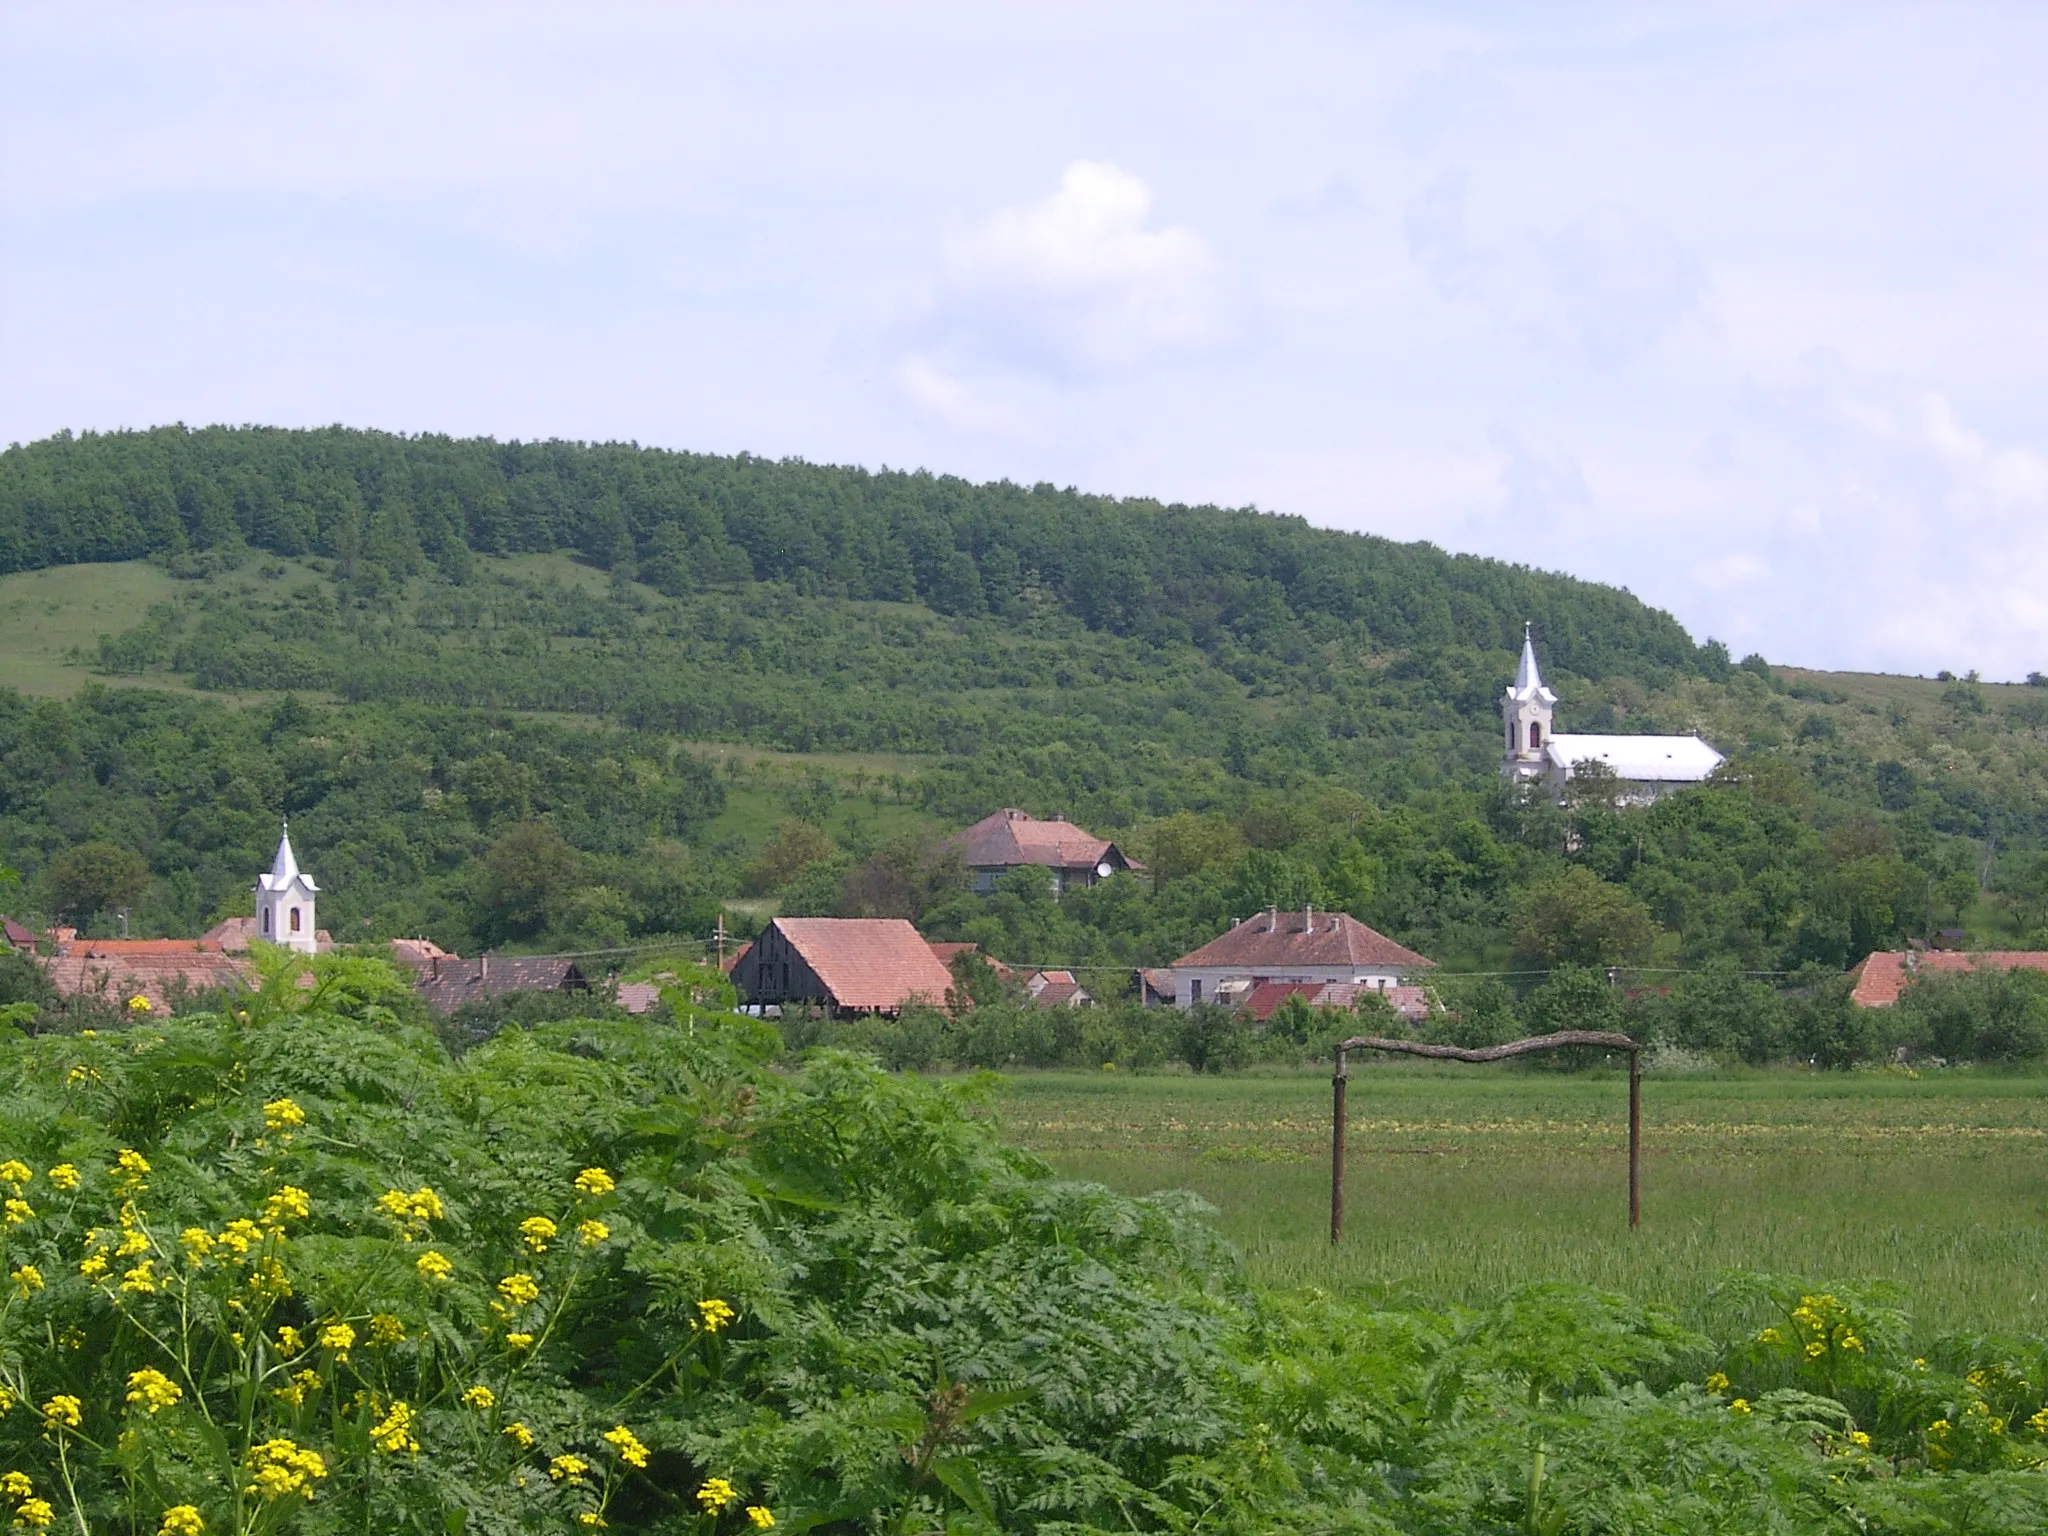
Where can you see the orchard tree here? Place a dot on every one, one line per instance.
(1576, 918)
(93, 878)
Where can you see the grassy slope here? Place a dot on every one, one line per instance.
(1465, 1182)
(44, 614)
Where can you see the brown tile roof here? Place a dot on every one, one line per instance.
(17, 936)
(1056, 989)
(638, 996)
(451, 982)
(109, 949)
(1274, 941)
(1884, 975)
(90, 970)
(947, 949)
(868, 962)
(1011, 837)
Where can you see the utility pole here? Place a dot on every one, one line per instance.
(718, 936)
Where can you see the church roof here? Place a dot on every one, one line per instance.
(284, 869)
(1667, 759)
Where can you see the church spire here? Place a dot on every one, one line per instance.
(1527, 678)
(285, 867)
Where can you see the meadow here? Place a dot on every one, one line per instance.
(1466, 1182)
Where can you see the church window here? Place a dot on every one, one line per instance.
(266, 919)
(295, 919)
(1535, 735)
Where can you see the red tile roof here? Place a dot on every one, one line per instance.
(17, 936)
(947, 950)
(1275, 941)
(1011, 837)
(877, 963)
(108, 949)
(1884, 975)
(155, 972)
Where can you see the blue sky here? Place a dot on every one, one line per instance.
(1739, 306)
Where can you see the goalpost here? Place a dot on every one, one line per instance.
(1600, 1038)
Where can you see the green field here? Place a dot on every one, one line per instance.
(1465, 1182)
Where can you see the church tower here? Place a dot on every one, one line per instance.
(284, 901)
(1525, 713)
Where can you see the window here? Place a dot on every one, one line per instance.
(1535, 735)
(1514, 737)
(1195, 990)
(295, 919)
(266, 919)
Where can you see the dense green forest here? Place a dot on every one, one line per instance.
(574, 695)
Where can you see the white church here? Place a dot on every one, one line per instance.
(285, 901)
(1649, 767)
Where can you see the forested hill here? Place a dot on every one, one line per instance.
(385, 504)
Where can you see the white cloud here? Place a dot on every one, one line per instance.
(1078, 283)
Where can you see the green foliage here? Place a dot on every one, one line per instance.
(90, 878)
(1982, 1015)
(1575, 918)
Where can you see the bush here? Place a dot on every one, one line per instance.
(1983, 1015)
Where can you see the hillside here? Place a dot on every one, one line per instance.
(562, 694)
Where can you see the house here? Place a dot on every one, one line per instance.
(1263, 1000)
(16, 936)
(1884, 975)
(447, 982)
(999, 843)
(842, 964)
(1648, 767)
(1056, 989)
(160, 971)
(1293, 947)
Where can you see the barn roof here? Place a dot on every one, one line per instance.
(877, 963)
(1275, 941)
(1885, 974)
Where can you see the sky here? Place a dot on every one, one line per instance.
(1743, 307)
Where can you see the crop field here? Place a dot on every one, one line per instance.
(1465, 1182)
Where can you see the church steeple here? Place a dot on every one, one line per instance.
(285, 900)
(1525, 711)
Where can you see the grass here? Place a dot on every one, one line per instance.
(43, 614)
(1462, 1184)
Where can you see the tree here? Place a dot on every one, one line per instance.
(790, 848)
(93, 878)
(1186, 844)
(1572, 997)
(529, 875)
(1576, 918)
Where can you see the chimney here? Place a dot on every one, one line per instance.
(483, 968)
(1273, 919)
(1308, 917)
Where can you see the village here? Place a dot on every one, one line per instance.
(1328, 962)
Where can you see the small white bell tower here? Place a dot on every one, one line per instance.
(1525, 711)
(284, 901)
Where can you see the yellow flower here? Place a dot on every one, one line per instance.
(6, 1399)
(481, 1398)
(133, 1241)
(519, 1290)
(138, 1004)
(394, 1434)
(519, 1435)
(519, 1340)
(2039, 1422)
(595, 1182)
(65, 1411)
(628, 1445)
(1859, 1439)
(716, 1494)
(761, 1516)
(182, 1520)
(339, 1337)
(34, 1515)
(152, 1389)
(18, 1211)
(433, 1266)
(197, 1243)
(15, 1485)
(131, 1168)
(239, 1236)
(1919, 1363)
(1740, 1405)
(304, 1384)
(282, 1115)
(591, 1233)
(386, 1330)
(141, 1279)
(278, 1468)
(290, 1202)
(27, 1278)
(713, 1315)
(1717, 1382)
(1770, 1336)
(17, 1173)
(421, 1205)
(268, 1278)
(1852, 1343)
(64, 1176)
(426, 1205)
(592, 1518)
(568, 1469)
(537, 1232)
(1815, 1350)
(93, 1264)
(290, 1340)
